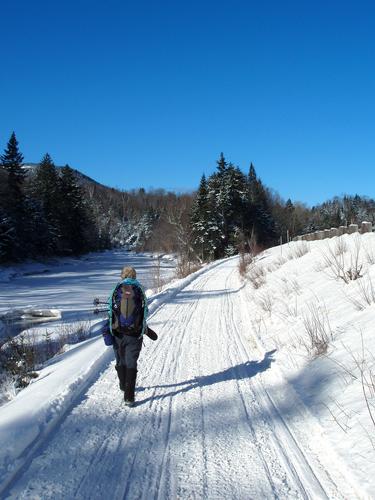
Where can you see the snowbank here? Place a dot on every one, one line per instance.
(302, 302)
(36, 409)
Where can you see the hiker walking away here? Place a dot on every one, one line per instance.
(127, 323)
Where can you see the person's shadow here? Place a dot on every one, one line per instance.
(239, 372)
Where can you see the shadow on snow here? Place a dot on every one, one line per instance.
(239, 372)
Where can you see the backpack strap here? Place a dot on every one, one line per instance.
(109, 302)
(129, 281)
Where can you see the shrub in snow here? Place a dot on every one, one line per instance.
(363, 370)
(266, 302)
(290, 308)
(290, 286)
(340, 247)
(318, 329)
(365, 294)
(279, 262)
(158, 282)
(244, 262)
(298, 250)
(23, 355)
(342, 264)
(295, 286)
(7, 387)
(185, 267)
(369, 255)
(257, 275)
(19, 359)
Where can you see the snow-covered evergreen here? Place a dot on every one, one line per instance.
(229, 209)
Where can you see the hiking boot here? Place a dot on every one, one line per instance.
(121, 373)
(131, 376)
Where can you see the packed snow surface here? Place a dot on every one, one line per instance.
(233, 400)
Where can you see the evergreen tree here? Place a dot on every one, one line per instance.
(199, 208)
(205, 231)
(253, 184)
(7, 238)
(237, 196)
(290, 217)
(14, 203)
(263, 221)
(227, 195)
(45, 188)
(221, 164)
(78, 230)
(234, 208)
(289, 205)
(218, 200)
(11, 161)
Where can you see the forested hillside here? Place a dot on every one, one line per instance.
(47, 211)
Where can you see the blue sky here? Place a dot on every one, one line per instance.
(148, 93)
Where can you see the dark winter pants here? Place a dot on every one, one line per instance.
(127, 350)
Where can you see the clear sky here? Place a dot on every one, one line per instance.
(148, 93)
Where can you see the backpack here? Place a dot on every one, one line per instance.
(127, 309)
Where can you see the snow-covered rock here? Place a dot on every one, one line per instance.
(30, 313)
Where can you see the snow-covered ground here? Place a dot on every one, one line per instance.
(233, 401)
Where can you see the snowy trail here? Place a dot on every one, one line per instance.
(205, 425)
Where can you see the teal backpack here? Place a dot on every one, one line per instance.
(127, 309)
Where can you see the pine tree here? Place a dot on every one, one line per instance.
(289, 205)
(78, 230)
(228, 189)
(205, 231)
(7, 237)
(290, 216)
(219, 202)
(12, 160)
(221, 164)
(262, 218)
(219, 210)
(253, 183)
(45, 188)
(14, 204)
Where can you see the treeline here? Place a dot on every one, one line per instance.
(341, 211)
(52, 211)
(48, 210)
(45, 214)
(233, 211)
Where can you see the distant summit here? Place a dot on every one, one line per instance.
(83, 178)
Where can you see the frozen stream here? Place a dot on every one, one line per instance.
(70, 285)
